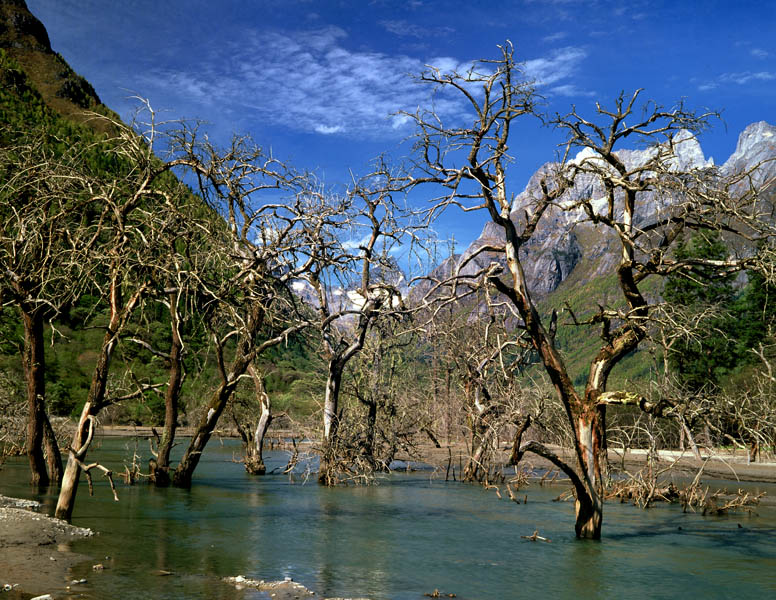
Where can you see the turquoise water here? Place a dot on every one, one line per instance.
(406, 536)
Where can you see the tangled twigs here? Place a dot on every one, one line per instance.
(720, 502)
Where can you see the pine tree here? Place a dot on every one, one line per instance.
(702, 361)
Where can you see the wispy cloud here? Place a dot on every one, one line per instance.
(560, 64)
(759, 53)
(328, 129)
(740, 78)
(311, 81)
(555, 37)
(406, 29)
(572, 90)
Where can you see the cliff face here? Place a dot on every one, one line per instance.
(566, 243)
(24, 38)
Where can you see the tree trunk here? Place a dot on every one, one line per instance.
(81, 439)
(161, 471)
(476, 469)
(53, 455)
(207, 424)
(368, 446)
(244, 354)
(589, 516)
(34, 371)
(70, 480)
(590, 455)
(94, 402)
(481, 442)
(330, 422)
(254, 460)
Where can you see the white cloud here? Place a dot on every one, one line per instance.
(307, 81)
(747, 77)
(561, 63)
(354, 244)
(759, 53)
(570, 89)
(328, 129)
(312, 81)
(404, 28)
(740, 78)
(555, 37)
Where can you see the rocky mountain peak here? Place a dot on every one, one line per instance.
(567, 242)
(688, 152)
(755, 144)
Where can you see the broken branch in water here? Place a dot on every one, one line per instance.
(535, 537)
(107, 472)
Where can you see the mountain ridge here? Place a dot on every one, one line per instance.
(565, 241)
(25, 39)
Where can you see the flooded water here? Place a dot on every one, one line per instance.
(403, 538)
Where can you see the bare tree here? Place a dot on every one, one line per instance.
(253, 308)
(355, 282)
(39, 236)
(133, 214)
(472, 163)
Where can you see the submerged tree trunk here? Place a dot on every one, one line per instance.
(330, 423)
(590, 455)
(207, 424)
(46, 468)
(482, 446)
(254, 459)
(245, 353)
(160, 472)
(368, 447)
(53, 454)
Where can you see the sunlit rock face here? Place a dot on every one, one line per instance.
(756, 144)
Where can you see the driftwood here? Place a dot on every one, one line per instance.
(535, 537)
(438, 594)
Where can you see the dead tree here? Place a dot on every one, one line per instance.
(260, 242)
(253, 430)
(388, 416)
(133, 217)
(39, 236)
(355, 282)
(497, 95)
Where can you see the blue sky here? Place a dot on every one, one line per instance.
(317, 81)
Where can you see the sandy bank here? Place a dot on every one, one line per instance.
(34, 554)
(721, 465)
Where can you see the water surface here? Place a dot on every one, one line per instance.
(406, 536)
